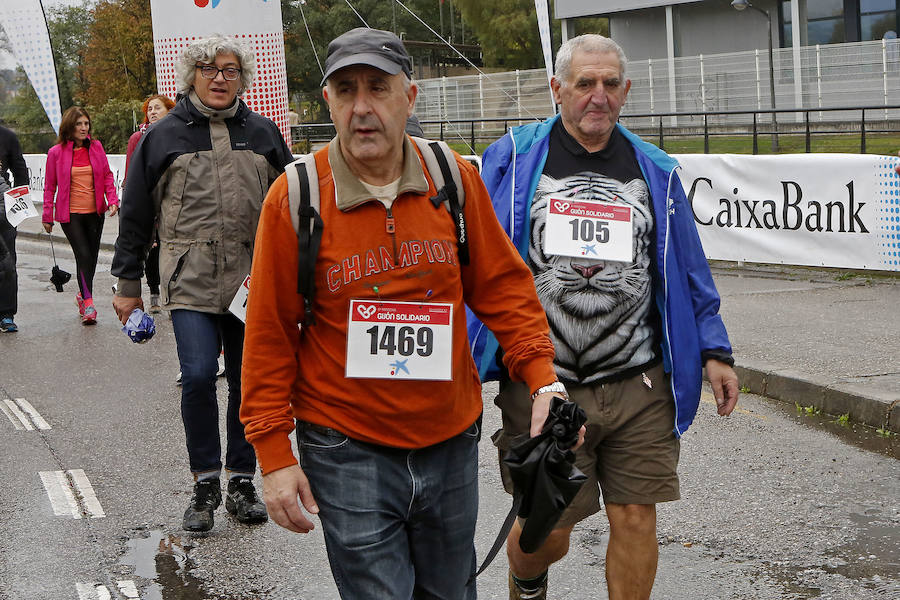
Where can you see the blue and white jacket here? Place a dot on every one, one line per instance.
(684, 291)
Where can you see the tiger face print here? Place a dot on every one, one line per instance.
(598, 310)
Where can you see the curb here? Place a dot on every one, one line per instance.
(60, 239)
(837, 399)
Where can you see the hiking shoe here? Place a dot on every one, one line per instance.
(517, 593)
(80, 302)
(154, 303)
(8, 325)
(90, 316)
(206, 498)
(242, 501)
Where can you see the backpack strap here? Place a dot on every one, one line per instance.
(304, 202)
(440, 161)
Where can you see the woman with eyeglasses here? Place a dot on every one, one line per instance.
(79, 189)
(155, 107)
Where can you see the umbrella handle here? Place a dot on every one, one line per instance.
(52, 251)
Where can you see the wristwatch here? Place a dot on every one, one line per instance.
(556, 387)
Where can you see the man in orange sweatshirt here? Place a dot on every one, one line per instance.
(382, 384)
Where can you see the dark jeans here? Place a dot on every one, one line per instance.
(9, 279)
(83, 232)
(398, 523)
(198, 337)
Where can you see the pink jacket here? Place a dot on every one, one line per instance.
(58, 180)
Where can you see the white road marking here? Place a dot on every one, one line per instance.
(61, 497)
(36, 417)
(15, 416)
(23, 415)
(128, 589)
(90, 591)
(65, 499)
(88, 497)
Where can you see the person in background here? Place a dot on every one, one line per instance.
(200, 176)
(78, 190)
(11, 159)
(155, 107)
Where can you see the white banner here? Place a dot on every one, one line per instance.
(833, 210)
(177, 23)
(543, 19)
(26, 28)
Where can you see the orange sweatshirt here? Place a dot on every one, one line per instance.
(291, 372)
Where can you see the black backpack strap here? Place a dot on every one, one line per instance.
(441, 164)
(303, 197)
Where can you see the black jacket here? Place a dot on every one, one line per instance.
(11, 159)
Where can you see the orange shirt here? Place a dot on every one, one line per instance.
(288, 375)
(81, 195)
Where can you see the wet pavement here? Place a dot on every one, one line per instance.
(777, 502)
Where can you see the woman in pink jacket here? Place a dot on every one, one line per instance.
(78, 190)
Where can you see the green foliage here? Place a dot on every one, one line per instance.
(885, 433)
(113, 123)
(745, 389)
(25, 115)
(809, 411)
(843, 420)
(68, 26)
(328, 19)
(509, 33)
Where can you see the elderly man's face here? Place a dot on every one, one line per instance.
(218, 93)
(592, 97)
(369, 109)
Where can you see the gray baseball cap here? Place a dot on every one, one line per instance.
(363, 46)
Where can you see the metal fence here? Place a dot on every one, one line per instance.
(852, 74)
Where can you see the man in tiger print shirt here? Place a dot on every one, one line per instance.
(602, 221)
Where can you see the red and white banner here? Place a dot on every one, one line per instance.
(26, 28)
(832, 210)
(177, 23)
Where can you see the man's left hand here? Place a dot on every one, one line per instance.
(724, 384)
(540, 410)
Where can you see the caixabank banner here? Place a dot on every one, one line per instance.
(833, 210)
(177, 23)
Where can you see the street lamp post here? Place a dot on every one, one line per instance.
(740, 5)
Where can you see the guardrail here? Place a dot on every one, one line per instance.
(709, 124)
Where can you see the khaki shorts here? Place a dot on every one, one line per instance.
(630, 452)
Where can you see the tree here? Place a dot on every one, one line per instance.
(119, 58)
(327, 19)
(509, 33)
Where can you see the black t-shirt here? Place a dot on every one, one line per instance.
(602, 315)
(567, 157)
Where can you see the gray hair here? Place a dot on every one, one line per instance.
(205, 51)
(589, 42)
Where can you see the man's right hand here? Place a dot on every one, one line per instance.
(125, 306)
(280, 491)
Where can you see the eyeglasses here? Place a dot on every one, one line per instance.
(212, 71)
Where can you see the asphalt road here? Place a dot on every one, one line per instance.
(773, 506)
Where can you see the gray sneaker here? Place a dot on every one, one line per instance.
(205, 500)
(242, 502)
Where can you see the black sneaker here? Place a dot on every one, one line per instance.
(206, 498)
(242, 501)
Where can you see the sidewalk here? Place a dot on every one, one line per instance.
(827, 338)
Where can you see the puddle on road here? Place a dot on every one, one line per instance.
(855, 434)
(163, 561)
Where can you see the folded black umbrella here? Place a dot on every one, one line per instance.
(543, 472)
(545, 479)
(58, 277)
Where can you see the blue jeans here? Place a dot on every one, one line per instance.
(399, 524)
(198, 337)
